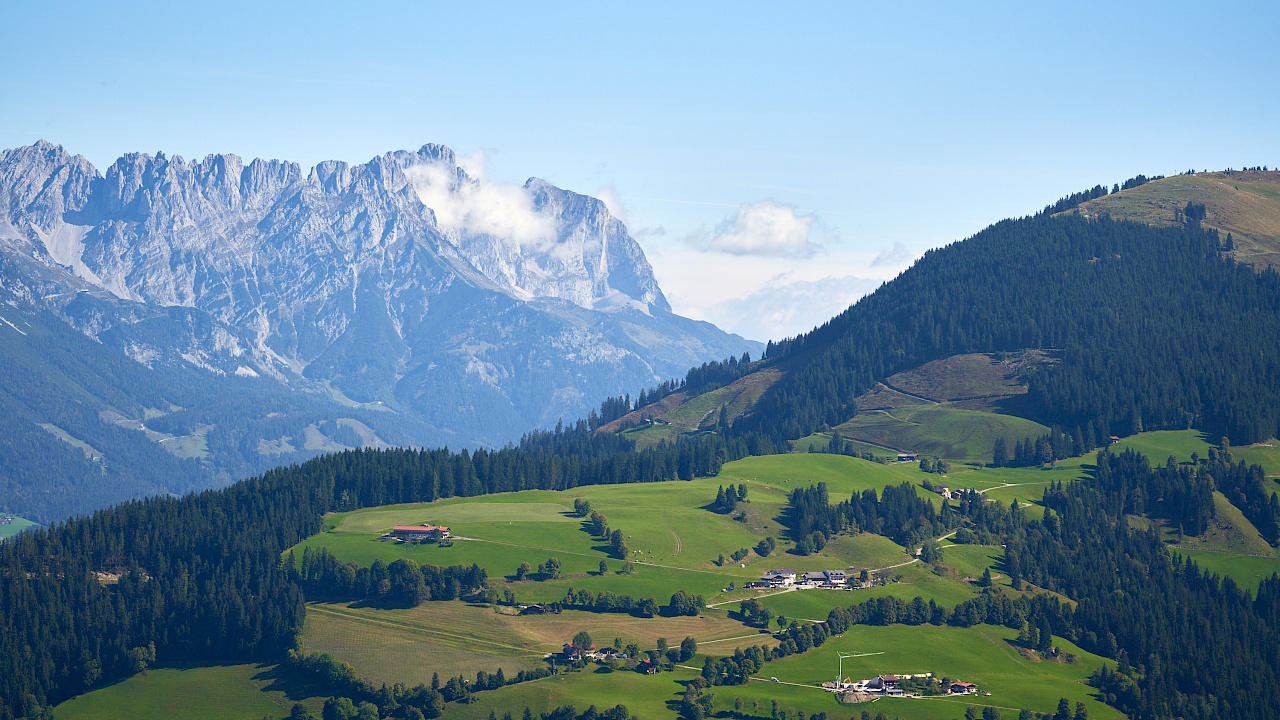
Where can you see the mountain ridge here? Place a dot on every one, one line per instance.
(480, 310)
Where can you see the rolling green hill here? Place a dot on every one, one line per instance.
(673, 537)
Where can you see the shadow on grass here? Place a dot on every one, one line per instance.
(293, 685)
(675, 705)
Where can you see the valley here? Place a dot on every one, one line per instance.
(953, 514)
(674, 541)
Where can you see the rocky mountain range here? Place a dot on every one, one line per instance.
(402, 301)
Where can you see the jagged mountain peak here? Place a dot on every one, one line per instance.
(291, 267)
(536, 241)
(41, 183)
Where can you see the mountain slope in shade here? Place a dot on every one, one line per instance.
(469, 311)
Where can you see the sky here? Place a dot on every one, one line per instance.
(775, 161)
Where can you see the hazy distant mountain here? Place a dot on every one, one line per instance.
(423, 304)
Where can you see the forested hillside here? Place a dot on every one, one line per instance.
(1157, 330)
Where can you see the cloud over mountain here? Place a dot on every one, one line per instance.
(467, 202)
(765, 228)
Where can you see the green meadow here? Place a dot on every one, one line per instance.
(410, 645)
(646, 697)
(917, 579)
(982, 654)
(1161, 444)
(1158, 446)
(1246, 570)
(14, 527)
(843, 475)
(674, 539)
(939, 429)
(219, 692)
(1267, 455)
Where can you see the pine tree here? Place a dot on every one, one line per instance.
(1000, 454)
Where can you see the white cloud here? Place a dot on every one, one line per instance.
(894, 256)
(785, 306)
(764, 228)
(656, 231)
(478, 206)
(612, 200)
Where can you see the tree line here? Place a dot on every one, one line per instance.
(898, 512)
(1045, 450)
(401, 583)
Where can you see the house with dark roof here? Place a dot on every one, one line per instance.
(418, 533)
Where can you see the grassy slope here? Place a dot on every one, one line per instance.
(1247, 571)
(1230, 532)
(674, 531)
(1160, 445)
(15, 527)
(651, 698)
(453, 638)
(221, 692)
(961, 377)
(1181, 443)
(941, 430)
(685, 414)
(535, 524)
(981, 654)
(658, 519)
(942, 408)
(1267, 455)
(1244, 204)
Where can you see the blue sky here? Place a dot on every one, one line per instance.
(775, 160)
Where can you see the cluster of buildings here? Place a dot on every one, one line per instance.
(571, 653)
(948, 493)
(6, 519)
(829, 579)
(418, 533)
(891, 686)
